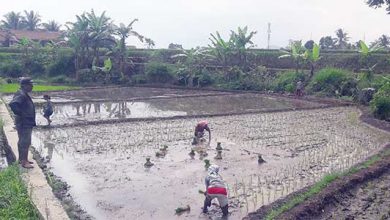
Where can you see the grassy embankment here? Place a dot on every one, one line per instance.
(319, 186)
(15, 203)
(13, 87)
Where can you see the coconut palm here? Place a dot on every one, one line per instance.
(124, 31)
(382, 42)
(31, 20)
(341, 39)
(149, 43)
(12, 20)
(51, 26)
(78, 37)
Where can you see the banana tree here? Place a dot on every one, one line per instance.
(365, 53)
(192, 63)
(312, 56)
(297, 53)
(242, 41)
(221, 49)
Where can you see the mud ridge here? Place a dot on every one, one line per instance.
(61, 190)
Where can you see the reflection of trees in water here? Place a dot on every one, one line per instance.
(118, 110)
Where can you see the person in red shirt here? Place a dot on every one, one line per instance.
(199, 131)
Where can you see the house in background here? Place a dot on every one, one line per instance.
(11, 37)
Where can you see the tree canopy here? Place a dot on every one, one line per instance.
(379, 3)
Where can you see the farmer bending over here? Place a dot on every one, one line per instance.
(199, 131)
(215, 188)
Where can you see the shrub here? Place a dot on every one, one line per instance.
(11, 69)
(380, 105)
(158, 72)
(64, 65)
(203, 78)
(138, 79)
(35, 67)
(286, 81)
(62, 79)
(86, 75)
(329, 81)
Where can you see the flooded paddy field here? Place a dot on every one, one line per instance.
(81, 112)
(118, 94)
(104, 164)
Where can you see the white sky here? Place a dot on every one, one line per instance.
(190, 22)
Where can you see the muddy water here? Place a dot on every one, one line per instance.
(104, 164)
(202, 105)
(118, 93)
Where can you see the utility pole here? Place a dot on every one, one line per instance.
(269, 34)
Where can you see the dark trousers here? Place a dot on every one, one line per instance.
(24, 142)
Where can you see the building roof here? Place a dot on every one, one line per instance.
(38, 35)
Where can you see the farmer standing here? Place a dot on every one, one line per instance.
(299, 89)
(199, 131)
(23, 108)
(215, 188)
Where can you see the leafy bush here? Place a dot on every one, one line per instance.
(380, 105)
(61, 79)
(286, 81)
(158, 72)
(11, 69)
(87, 75)
(138, 79)
(330, 81)
(35, 67)
(64, 65)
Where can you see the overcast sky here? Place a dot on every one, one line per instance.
(190, 22)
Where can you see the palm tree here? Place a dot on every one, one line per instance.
(51, 26)
(31, 20)
(149, 43)
(383, 42)
(100, 29)
(77, 35)
(342, 39)
(124, 31)
(13, 20)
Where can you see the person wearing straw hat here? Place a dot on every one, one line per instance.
(24, 110)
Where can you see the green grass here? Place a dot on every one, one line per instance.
(13, 87)
(302, 197)
(15, 202)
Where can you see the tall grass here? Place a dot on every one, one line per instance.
(15, 202)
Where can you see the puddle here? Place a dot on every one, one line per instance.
(103, 164)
